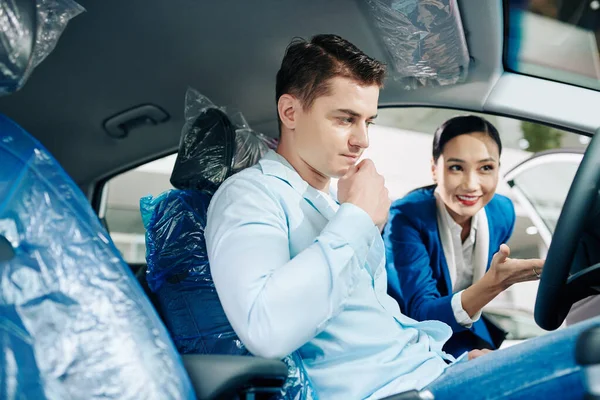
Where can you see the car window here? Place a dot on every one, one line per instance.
(401, 148)
(401, 145)
(543, 182)
(555, 39)
(122, 209)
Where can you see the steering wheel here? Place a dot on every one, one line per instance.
(567, 276)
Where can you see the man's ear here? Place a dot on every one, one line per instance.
(287, 107)
(433, 170)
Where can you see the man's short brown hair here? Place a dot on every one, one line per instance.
(308, 66)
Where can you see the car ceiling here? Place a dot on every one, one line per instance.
(120, 54)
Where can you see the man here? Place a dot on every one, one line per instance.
(308, 271)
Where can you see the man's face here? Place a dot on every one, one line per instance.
(331, 135)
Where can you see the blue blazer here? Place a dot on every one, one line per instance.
(418, 276)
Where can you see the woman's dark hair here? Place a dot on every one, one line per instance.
(462, 125)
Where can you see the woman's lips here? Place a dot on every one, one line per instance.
(468, 200)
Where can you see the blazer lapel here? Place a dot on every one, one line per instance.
(482, 246)
(446, 240)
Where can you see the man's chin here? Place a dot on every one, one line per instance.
(339, 173)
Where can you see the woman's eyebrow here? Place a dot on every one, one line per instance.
(458, 160)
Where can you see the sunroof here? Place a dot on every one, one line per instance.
(554, 39)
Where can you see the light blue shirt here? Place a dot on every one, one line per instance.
(294, 274)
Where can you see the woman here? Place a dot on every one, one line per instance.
(446, 257)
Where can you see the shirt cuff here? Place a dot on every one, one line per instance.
(460, 314)
(356, 226)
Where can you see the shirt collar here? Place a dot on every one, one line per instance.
(276, 165)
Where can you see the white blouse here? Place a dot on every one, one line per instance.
(467, 261)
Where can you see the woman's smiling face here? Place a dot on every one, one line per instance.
(467, 174)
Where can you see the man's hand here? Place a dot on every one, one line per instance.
(365, 188)
(473, 354)
(507, 271)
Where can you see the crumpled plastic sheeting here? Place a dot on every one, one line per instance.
(425, 39)
(16, 64)
(53, 17)
(297, 385)
(74, 323)
(16, 46)
(179, 274)
(187, 298)
(214, 145)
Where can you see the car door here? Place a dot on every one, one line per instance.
(541, 184)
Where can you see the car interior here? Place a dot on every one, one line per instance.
(106, 97)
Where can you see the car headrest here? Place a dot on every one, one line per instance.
(214, 145)
(205, 157)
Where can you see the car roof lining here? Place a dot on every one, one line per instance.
(118, 55)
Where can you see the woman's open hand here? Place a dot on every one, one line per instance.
(506, 271)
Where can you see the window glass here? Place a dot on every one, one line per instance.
(546, 186)
(400, 146)
(122, 212)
